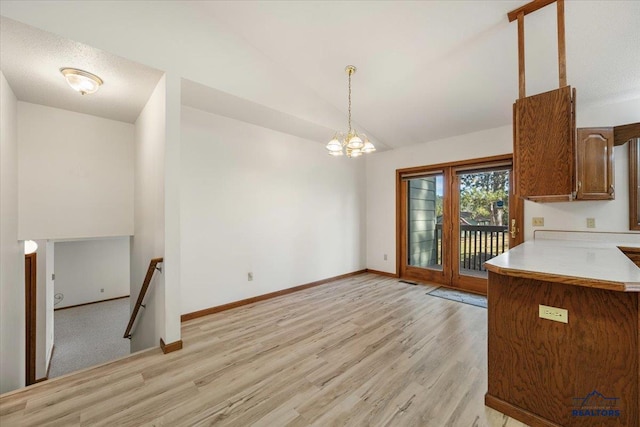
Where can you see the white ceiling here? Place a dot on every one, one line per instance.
(426, 69)
(433, 69)
(31, 59)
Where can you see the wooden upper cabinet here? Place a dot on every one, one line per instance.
(594, 171)
(544, 132)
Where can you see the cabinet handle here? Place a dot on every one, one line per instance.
(513, 229)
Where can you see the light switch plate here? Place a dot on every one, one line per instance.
(553, 313)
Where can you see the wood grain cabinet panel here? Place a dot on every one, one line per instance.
(544, 132)
(548, 373)
(594, 171)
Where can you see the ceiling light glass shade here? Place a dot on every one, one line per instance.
(355, 153)
(355, 142)
(334, 145)
(30, 247)
(81, 81)
(336, 153)
(368, 147)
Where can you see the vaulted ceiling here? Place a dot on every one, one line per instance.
(426, 70)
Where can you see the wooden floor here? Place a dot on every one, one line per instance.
(367, 350)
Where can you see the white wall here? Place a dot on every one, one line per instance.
(381, 167)
(256, 200)
(381, 182)
(75, 174)
(44, 306)
(86, 267)
(12, 318)
(148, 240)
(609, 215)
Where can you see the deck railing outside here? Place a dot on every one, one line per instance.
(478, 243)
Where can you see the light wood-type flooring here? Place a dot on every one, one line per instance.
(367, 350)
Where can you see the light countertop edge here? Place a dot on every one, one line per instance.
(578, 263)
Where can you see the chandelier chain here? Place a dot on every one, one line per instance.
(350, 100)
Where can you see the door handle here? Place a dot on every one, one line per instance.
(514, 230)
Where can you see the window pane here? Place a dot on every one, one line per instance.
(484, 219)
(425, 222)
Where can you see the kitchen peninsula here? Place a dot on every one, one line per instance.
(581, 368)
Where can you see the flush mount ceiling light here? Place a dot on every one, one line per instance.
(82, 81)
(352, 144)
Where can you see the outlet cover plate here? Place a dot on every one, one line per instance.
(553, 313)
(591, 223)
(537, 221)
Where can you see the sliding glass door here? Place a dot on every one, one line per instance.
(424, 212)
(425, 222)
(453, 218)
(481, 199)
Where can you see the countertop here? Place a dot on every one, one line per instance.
(581, 263)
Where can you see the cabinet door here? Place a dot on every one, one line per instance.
(595, 177)
(543, 146)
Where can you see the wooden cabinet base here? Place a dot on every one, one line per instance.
(517, 413)
(545, 373)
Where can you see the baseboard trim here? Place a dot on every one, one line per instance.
(516, 413)
(93, 302)
(168, 348)
(382, 273)
(40, 380)
(211, 310)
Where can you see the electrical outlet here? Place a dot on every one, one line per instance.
(102, 290)
(385, 257)
(537, 221)
(591, 223)
(553, 313)
(250, 276)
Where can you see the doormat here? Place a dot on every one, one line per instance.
(459, 296)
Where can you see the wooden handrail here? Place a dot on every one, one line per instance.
(143, 291)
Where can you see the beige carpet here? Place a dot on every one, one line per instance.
(89, 335)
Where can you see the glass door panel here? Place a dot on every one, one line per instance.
(425, 219)
(483, 211)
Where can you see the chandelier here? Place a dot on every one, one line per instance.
(350, 143)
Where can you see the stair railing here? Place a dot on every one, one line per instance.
(153, 266)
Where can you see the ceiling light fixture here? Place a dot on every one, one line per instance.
(352, 144)
(30, 247)
(82, 81)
